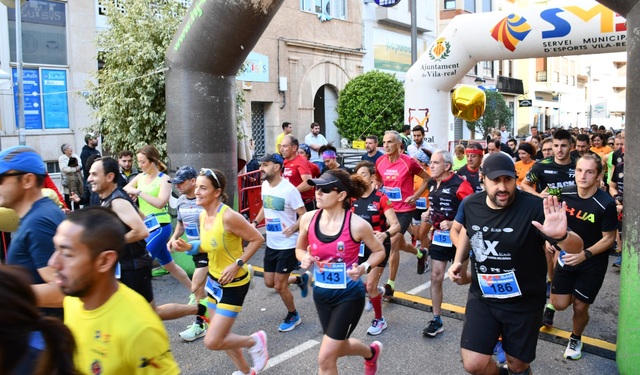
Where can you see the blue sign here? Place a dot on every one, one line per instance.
(255, 68)
(32, 106)
(54, 98)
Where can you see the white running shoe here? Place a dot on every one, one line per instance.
(258, 352)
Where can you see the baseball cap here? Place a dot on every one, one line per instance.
(305, 147)
(498, 164)
(327, 179)
(184, 173)
(22, 159)
(89, 136)
(274, 158)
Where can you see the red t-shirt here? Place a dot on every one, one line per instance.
(293, 171)
(397, 180)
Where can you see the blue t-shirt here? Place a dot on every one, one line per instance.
(32, 244)
(373, 158)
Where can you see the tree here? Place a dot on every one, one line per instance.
(127, 94)
(370, 104)
(495, 114)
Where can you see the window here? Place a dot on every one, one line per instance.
(44, 32)
(470, 6)
(486, 6)
(449, 4)
(333, 8)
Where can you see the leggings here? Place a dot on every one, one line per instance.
(157, 244)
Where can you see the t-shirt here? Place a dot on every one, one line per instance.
(505, 244)
(397, 180)
(319, 140)
(445, 199)
(472, 177)
(548, 174)
(280, 204)
(588, 218)
(618, 177)
(522, 169)
(373, 159)
(32, 244)
(123, 336)
(293, 171)
(188, 214)
(372, 209)
(279, 141)
(458, 163)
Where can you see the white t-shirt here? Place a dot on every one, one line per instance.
(320, 140)
(280, 204)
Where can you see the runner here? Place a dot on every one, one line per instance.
(330, 240)
(375, 208)
(471, 171)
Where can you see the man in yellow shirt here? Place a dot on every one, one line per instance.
(115, 329)
(287, 129)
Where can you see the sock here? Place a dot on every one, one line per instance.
(199, 320)
(437, 318)
(392, 284)
(377, 306)
(576, 337)
(298, 280)
(202, 309)
(550, 307)
(419, 254)
(294, 312)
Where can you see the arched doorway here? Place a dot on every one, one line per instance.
(324, 113)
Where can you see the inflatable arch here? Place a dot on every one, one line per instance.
(578, 28)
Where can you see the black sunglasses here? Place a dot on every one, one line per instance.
(327, 189)
(2, 176)
(210, 173)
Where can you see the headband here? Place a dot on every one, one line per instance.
(329, 154)
(474, 151)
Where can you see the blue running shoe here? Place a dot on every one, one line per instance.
(290, 322)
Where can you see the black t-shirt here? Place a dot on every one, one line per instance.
(588, 218)
(618, 177)
(473, 177)
(548, 174)
(505, 241)
(618, 157)
(445, 199)
(372, 209)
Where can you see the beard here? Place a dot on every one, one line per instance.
(500, 203)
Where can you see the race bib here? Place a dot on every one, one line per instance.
(191, 230)
(442, 238)
(331, 275)
(421, 203)
(118, 271)
(273, 225)
(361, 251)
(503, 285)
(151, 222)
(393, 193)
(214, 289)
(560, 260)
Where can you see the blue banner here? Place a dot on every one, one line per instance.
(55, 99)
(32, 106)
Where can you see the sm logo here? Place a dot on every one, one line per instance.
(609, 21)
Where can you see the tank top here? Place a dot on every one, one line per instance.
(222, 247)
(339, 248)
(153, 189)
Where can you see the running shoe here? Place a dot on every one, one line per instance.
(547, 317)
(498, 351)
(291, 321)
(258, 352)
(194, 332)
(371, 365)
(192, 299)
(251, 372)
(422, 262)
(574, 349)
(433, 328)
(251, 271)
(388, 293)
(368, 306)
(377, 326)
(304, 285)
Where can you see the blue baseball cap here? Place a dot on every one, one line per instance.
(183, 174)
(21, 159)
(274, 158)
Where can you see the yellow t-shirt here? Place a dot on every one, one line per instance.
(123, 336)
(278, 141)
(222, 247)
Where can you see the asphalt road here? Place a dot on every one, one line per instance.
(406, 350)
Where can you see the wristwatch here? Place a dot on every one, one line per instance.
(239, 262)
(587, 254)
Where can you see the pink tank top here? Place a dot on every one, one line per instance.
(339, 248)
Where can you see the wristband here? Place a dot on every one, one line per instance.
(566, 234)
(138, 193)
(387, 233)
(255, 222)
(367, 266)
(195, 247)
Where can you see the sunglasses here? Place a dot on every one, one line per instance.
(2, 176)
(209, 173)
(327, 189)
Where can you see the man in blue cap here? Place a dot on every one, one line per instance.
(22, 174)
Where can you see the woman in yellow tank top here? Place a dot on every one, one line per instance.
(222, 231)
(152, 188)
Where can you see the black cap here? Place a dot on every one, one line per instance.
(498, 164)
(327, 179)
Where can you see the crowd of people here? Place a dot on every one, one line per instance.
(504, 216)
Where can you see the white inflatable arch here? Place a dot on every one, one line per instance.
(576, 28)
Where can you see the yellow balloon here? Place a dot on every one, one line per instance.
(467, 103)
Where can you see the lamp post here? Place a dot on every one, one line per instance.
(590, 82)
(20, 125)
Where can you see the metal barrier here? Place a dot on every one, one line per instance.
(250, 195)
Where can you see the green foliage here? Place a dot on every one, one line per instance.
(496, 113)
(370, 104)
(128, 95)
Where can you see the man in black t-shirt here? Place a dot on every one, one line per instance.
(502, 227)
(591, 213)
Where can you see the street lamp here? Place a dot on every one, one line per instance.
(479, 81)
(20, 121)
